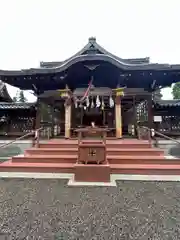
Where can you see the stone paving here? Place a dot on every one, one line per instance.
(49, 209)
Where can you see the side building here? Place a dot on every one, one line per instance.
(16, 119)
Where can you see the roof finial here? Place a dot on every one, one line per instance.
(92, 40)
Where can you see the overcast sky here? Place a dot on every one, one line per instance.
(52, 30)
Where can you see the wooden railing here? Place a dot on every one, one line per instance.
(148, 134)
(35, 140)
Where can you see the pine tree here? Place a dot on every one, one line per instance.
(157, 95)
(14, 99)
(21, 97)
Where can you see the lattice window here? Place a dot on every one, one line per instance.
(22, 124)
(142, 111)
(170, 124)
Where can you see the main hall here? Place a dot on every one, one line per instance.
(96, 86)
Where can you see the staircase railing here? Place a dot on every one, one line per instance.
(35, 141)
(152, 132)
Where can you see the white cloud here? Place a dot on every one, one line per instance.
(37, 30)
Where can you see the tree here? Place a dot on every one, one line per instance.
(21, 97)
(14, 99)
(157, 95)
(176, 90)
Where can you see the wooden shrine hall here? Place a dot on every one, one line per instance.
(115, 109)
(96, 86)
(95, 95)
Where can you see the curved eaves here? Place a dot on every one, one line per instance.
(92, 43)
(83, 58)
(124, 61)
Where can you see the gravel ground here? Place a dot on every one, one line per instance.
(49, 209)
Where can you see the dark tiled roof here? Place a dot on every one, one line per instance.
(93, 47)
(15, 105)
(49, 64)
(91, 52)
(54, 73)
(167, 103)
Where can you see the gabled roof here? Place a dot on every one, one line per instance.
(4, 95)
(91, 52)
(53, 75)
(92, 47)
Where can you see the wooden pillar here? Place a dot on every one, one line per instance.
(68, 110)
(37, 122)
(134, 116)
(81, 116)
(150, 112)
(65, 94)
(118, 116)
(38, 115)
(52, 120)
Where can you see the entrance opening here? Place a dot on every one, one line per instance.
(97, 118)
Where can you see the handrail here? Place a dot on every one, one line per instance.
(20, 138)
(161, 134)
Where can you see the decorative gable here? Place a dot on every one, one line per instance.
(92, 47)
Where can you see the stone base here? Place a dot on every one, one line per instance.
(92, 173)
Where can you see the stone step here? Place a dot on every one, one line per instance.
(112, 159)
(51, 151)
(146, 169)
(45, 159)
(10, 166)
(129, 145)
(140, 160)
(134, 152)
(110, 151)
(132, 169)
(108, 144)
(58, 145)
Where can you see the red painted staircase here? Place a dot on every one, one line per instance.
(124, 157)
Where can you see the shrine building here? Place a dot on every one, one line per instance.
(96, 86)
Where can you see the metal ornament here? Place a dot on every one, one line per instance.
(102, 104)
(98, 103)
(75, 104)
(87, 101)
(111, 102)
(92, 103)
